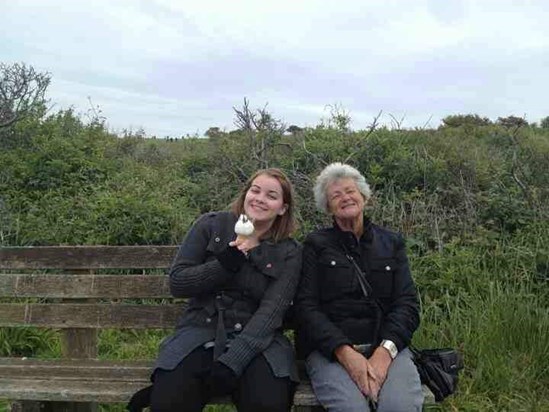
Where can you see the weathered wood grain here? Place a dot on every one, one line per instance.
(84, 286)
(67, 390)
(88, 369)
(94, 316)
(86, 257)
(99, 391)
(85, 369)
(77, 343)
(85, 380)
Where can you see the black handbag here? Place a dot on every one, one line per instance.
(438, 369)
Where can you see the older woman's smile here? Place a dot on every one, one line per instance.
(344, 199)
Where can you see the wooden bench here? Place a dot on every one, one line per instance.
(78, 296)
(79, 290)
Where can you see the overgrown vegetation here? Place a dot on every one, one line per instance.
(471, 197)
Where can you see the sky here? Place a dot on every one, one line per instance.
(178, 67)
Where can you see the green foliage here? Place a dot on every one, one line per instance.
(21, 342)
(129, 344)
(471, 197)
(77, 184)
(293, 129)
(512, 121)
(544, 124)
(459, 120)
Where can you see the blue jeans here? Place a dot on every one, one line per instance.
(337, 392)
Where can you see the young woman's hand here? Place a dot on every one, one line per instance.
(222, 380)
(245, 243)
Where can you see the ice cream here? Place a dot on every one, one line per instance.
(243, 227)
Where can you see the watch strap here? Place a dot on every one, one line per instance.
(390, 346)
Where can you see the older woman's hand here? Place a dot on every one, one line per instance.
(379, 364)
(358, 368)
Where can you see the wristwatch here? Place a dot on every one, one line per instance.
(390, 346)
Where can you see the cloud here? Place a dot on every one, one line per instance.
(177, 67)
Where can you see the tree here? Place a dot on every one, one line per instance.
(544, 124)
(261, 129)
(293, 129)
(22, 92)
(458, 120)
(512, 121)
(340, 118)
(213, 132)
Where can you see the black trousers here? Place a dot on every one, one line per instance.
(185, 388)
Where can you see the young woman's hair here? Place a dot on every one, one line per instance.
(330, 174)
(284, 225)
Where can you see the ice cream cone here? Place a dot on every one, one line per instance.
(243, 228)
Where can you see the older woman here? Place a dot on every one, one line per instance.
(356, 305)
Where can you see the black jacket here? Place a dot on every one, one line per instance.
(255, 294)
(331, 309)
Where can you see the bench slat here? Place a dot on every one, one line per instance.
(94, 316)
(101, 391)
(86, 257)
(87, 380)
(84, 286)
(67, 390)
(95, 380)
(89, 369)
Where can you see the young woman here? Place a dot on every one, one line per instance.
(229, 340)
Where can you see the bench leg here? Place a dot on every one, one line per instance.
(76, 344)
(25, 406)
(70, 407)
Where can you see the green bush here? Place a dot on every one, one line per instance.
(471, 198)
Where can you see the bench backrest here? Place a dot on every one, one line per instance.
(77, 290)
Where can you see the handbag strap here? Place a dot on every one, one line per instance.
(366, 290)
(364, 284)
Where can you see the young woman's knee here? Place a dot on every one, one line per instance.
(169, 396)
(275, 402)
(169, 402)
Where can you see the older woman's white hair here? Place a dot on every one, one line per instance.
(330, 174)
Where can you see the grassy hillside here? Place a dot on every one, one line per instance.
(471, 200)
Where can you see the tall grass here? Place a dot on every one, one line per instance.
(491, 302)
(22, 342)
